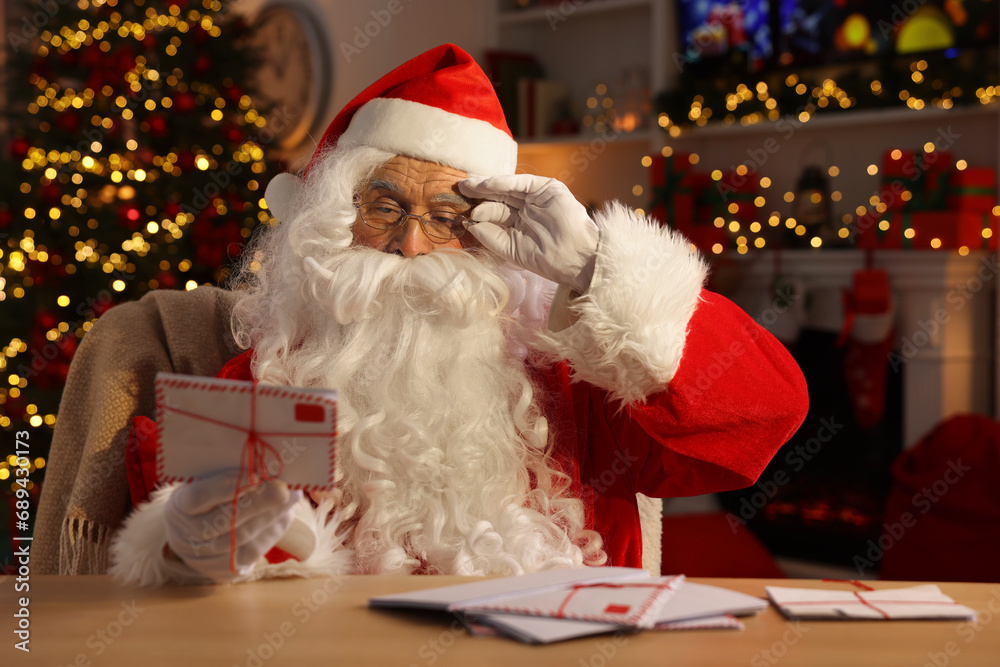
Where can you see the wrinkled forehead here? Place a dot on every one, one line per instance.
(417, 179)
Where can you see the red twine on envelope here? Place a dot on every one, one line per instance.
(864, 587)
(252, 465)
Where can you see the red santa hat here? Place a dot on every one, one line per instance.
(439, 106)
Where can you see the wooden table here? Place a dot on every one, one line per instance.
(91, 621)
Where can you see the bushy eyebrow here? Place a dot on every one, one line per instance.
(442, 198)
(451, 198)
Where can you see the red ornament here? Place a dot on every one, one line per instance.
(51, 193)
(185, 160)
(233, 133)
(90, 57)
(202, 64)
(44, 320)
(184, 102)
(69, 121)
(128, 217)
(158, 125)
(233, 93)
(5, 218)
(166, 280)
(19, 148)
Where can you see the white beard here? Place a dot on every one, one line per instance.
(442, 456)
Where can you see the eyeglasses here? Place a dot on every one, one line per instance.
(438, 225)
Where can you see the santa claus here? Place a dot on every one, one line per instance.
(511, 370)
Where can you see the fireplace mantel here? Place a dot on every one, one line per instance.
(944, 319)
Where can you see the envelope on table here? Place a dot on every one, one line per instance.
(461, 596)
(925, 602)
(692, 607)
(204, 425)
(625, 603)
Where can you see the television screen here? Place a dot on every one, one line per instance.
(713, 31)
(830, 31)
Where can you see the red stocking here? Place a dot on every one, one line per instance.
(868, 329)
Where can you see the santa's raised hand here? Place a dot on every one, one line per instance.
(536, 224)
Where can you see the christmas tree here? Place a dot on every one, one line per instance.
(134, 160)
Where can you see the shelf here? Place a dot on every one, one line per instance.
(843, 119)
(638, 137)
(590, 7)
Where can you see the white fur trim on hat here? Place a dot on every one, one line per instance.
(429, 133)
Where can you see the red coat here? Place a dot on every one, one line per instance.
(736, 397)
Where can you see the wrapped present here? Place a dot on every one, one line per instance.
(738, 194)
(973, 189)
(878, 231)
(931, 184)
(672, 187)
(951, 229)
(916, 181)
(705, 237)
(899, 174)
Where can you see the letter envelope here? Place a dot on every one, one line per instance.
(205, 427)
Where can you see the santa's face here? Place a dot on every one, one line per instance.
(417, 187)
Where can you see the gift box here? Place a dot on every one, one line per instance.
(730, 198)
(923, 175)
(868, 232)
(972, 189)
(705, 236)
(952, 229)
(899, 174)
(672, 188)
(928, 230)
(738, 194)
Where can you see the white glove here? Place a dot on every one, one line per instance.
(537, 224)
(198, 519)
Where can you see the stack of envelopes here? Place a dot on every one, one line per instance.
(556, 605)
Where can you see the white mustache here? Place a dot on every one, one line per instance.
(356, 283)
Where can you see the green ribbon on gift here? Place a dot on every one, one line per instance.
(714, 199)
(929, 191)
(673, 185)
(971, 191)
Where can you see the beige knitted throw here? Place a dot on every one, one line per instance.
(85, 493)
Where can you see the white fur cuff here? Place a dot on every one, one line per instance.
(628, 331)
(137, 549)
